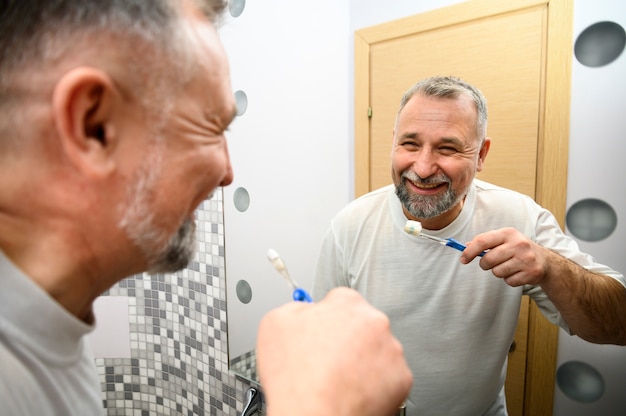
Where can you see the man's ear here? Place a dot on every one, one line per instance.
(83, 104)
(482, 154)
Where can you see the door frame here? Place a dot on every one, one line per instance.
(552, 152)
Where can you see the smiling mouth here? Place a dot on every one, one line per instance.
(428, 186)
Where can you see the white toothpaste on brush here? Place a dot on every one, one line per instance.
(299, 294)
(415, 228)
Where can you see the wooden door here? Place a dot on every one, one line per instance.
(519, 54)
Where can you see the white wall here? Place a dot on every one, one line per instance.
(365, 13)
(111, 335)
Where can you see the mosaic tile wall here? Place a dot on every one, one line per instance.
(178, 334)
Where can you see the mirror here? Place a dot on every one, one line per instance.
(291, 149)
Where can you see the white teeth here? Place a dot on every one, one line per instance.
(426, 185)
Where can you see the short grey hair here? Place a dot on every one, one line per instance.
(451, 87)
(25, 25)
(148, 34)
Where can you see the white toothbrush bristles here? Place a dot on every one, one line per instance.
(273, 256)
(279, 265)
(413, 227)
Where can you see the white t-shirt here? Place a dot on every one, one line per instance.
(456, 322)
(46, 366)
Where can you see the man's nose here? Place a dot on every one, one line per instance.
(228, 175)
(425, 163)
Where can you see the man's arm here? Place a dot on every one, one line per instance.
(593, 305)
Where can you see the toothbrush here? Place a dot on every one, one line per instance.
(299, 295)
(415, 228)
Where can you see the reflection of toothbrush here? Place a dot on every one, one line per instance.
(299, 295)
(415, 228)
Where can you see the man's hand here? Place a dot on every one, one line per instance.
(510, 256)
(336, 357)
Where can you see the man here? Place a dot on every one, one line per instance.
(455, 314)
(112, 120)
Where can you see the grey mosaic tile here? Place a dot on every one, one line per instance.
(178, 333)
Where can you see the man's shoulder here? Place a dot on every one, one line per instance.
(365, 207)
(494, 199)
(369, 201)
(19, 386)
(376, 194)
(489, 189)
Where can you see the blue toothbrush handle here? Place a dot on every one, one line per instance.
(301, 295)
(456, 245)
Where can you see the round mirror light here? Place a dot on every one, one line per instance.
(241, 199)
(600, 44)
(579, 381)
(241, 101)
(244, 291)
(236, 7)
(591, 219)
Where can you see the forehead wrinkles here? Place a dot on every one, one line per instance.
(457, 114)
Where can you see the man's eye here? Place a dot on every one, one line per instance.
(448, 150)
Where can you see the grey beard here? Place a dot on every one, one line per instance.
(138, 222)
(178, 251)
(420, 206)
